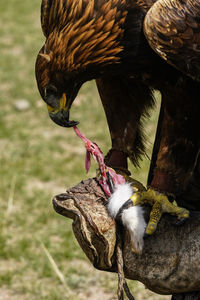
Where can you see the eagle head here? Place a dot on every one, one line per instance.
(83, 40)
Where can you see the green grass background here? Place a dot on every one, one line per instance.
(38, 160)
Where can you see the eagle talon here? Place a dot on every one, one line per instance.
(160, 204)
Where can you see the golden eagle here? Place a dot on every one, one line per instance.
(131, 48)
(109, 41)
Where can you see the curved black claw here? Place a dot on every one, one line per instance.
(146, 235)
(181, 222)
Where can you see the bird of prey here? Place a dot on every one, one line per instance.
(131, 48)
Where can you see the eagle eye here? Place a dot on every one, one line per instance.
(51, 96)
(50, 89)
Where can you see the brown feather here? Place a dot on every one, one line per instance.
(66, 42)
(178, 21)
(47, 57)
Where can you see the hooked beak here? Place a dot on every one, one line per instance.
(61, 115)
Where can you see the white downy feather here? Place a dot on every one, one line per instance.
(122, 193)
(132, 217)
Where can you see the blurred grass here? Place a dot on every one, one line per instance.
(38, 160)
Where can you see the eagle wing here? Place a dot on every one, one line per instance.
(172, 29)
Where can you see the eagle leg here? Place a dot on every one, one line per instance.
(160, 204)
(177, 153)
(125, 101)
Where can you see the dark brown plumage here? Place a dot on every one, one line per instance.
(172, 29)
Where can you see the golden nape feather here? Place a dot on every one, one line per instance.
(104, 40)
(80, 33)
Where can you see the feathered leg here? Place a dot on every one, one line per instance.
(190, 197)
(179, 146)
(125, 101)
(178, 151)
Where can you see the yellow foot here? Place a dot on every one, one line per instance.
(160, 204)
